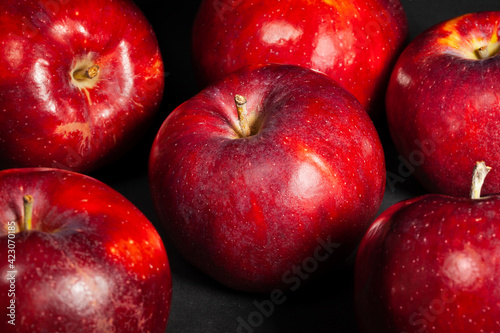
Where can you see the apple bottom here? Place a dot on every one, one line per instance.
(274, 234)
(277, 276)
(266, 245)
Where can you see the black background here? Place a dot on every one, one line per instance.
(200, 304)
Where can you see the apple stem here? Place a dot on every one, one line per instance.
(483, 52)
(241, 106)
(478, 176)
(28, 211)
(86, 73)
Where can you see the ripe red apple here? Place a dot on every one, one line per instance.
(356, 42)
(265, 176)
(443, 103)
(432, 264)
(78, 257)
(81, 80)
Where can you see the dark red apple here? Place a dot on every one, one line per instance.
(431, 264)
(264, 177)
(443, 103)
(77, 257)
(356, 42)
(81, 80)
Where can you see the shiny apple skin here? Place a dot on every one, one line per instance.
(439, 95)
(48, 121)
(356, 42)
(91, 263)
(248, 210)
(431, 264)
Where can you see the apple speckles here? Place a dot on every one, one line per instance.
(347, 8)
(297, 182)
(461, 270)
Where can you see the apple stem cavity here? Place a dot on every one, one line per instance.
(478, 176)
(483, 52)
(241, 107)
(86, 73)
(487, 51)
(28, 212)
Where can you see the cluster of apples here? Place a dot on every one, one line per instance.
(432, 263)
(273, 169)
(277, 154)
(80, 81)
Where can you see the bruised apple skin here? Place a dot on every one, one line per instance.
(81, 81)
(86, 261)
(356, 42)
(443, 103)
(271, 168)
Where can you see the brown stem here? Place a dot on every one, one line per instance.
(478, 176)
(241, 106)
(86, 73)
(28, 212)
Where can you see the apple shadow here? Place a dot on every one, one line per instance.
(201, 304)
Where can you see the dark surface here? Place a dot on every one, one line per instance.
(200, 304)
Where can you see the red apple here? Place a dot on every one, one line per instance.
(78, 258)
(431, 264)
(261, 193)
(443, 103)
(81, 80)
(356, 42)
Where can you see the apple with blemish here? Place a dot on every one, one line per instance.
(254, 173)
(432, 264)
(443, 103)
(356, 42)
(81, 81)
(77, 257)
